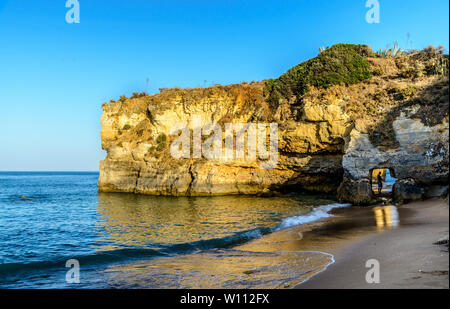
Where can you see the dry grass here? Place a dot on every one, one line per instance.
(374, 104)
(417, 78)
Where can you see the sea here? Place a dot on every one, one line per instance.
(57, 231)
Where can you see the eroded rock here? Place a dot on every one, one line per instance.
(420, 163)
(329, 139)
(136, 133)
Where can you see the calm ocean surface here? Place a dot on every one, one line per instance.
(132, 241)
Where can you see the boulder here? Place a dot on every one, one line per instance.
(358, 192)
(407, 190)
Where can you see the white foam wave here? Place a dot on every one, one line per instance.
(316, 214)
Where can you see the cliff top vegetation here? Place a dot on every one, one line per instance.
(340, 64)
(374, 87)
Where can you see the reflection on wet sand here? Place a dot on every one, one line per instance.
(195, 237)
(223, 268)
(386, 216)
(278, 260)
(347, 224)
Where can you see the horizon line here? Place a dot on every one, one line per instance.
(59, 171)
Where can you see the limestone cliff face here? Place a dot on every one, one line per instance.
(329, 139)
(420, 163)
(136, 135)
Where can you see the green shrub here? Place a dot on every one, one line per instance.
(161, 141)
(126, 127)
(427, 62)
(136, 95)
(162, 138)
(393, 52)
(407, 92)
(122, 98)
(161, 147)
(339, 64)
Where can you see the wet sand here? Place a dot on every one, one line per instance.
(400, 238)
(406, 253)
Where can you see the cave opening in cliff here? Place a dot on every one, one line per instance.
(383, 176)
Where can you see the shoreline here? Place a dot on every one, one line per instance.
(351, 235)
(407, 254)
(402, 241)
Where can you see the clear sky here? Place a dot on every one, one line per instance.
(54, 76)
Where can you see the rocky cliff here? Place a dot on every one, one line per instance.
(339, 115)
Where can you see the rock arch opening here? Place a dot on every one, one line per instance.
(382, 180)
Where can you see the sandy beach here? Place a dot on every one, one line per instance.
(407, 254)
(404, 247)
(401, 238)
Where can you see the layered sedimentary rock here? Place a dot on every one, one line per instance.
(419, 164)
(329, 138)
(136, 133)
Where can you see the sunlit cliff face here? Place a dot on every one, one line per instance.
(138, 135)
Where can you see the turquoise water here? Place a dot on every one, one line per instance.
(119, 238)
(389, 179)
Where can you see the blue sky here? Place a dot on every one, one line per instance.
(54, 76)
